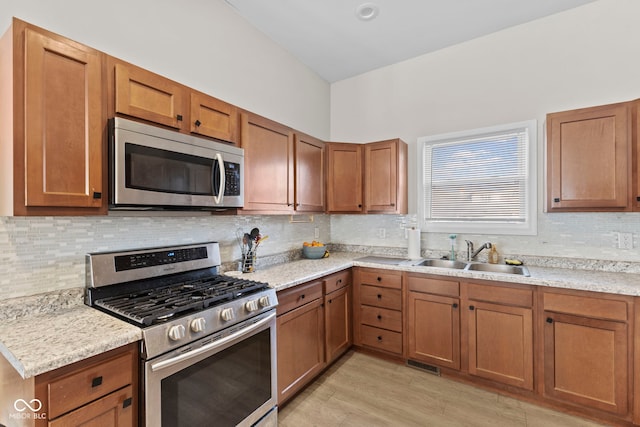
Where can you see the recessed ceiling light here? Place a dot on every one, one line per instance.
(367, 11)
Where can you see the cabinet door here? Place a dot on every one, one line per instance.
(300, 348)
(434, 329)
(588, 159)
(212, 117)
(113, 410)
(500, 343)
(148, 96)
(338, 337)
(585, 361)
(344, 178)
(63, 124)
(309, 185)
(268, 151)
(385, 177)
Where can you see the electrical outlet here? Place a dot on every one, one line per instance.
(382, 233)
(316, 233)
(625, 240)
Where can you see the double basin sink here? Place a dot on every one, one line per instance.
(445, 263)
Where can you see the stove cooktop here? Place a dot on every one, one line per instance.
(158, 305)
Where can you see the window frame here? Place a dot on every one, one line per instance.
(526, 228)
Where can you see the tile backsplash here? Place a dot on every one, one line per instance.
(43, 254)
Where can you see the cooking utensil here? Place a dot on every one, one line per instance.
(255, 233)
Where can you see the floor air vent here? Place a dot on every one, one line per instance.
(424, 367)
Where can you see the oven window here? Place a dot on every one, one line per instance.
(167, 171)
(221, 390)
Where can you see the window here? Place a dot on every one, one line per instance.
(480, 181)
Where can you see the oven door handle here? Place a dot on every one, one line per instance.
(220, 195)
(193, 353)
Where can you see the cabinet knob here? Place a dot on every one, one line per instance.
(393, 204)
(127, 402)
(330, 301)
(179, 117)
(359, 206)
(638, 198)
(96, 381)
(455, 305)
(379, 338)
(379, 279)
(198, 123)
(556, 200)
(97, 195)
(471, 307)
(379, 317)
(549, 320)
(379, 296)
(302, 296)
(339, 281)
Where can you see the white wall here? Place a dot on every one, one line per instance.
(582, 57)
(203, 44)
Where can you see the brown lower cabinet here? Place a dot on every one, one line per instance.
(101, 391)
(585, 347)
(378, 310)
(313, 328)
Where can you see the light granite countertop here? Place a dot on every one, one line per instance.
(59, 330)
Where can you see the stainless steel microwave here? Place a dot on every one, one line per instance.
(157, 169)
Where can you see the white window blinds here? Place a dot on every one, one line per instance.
(481, 177)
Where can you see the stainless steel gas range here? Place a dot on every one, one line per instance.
(209, 343)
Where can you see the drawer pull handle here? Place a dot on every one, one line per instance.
(549, 320)
(455, 305)
(379, 317)
(471, 308)
(379, 296)
(302, 296)
(339, 280)
(96, 381)
(127, 402)
(379, 338)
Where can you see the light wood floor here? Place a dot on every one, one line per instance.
(361, 390)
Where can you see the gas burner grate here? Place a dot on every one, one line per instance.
(159, 304)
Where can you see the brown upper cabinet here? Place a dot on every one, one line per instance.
(367, 178)
(51, 130)
(136, 92)
(589, 159)
(284, 169)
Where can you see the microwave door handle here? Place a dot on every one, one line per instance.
(220, 195)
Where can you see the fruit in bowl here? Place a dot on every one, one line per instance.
(314, 250)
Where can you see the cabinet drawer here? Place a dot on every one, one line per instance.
(117, 406)
(381, 339)
(521, 297)
(379, 278)
(434, 286)
(297, 296)
(381, 318)
(381, 297)
(586, 306)
(89, 384)
(337, 281)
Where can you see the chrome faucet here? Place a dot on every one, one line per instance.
(470, 252)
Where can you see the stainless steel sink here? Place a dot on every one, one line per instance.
(499, 268)
(442, 263)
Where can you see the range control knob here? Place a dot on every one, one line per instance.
(176, 332)
(227, 314)
(198, 324)
(251, 305)
(264, 301)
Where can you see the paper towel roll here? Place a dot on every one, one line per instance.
(413, 246)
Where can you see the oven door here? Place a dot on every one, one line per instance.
(226, 379)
